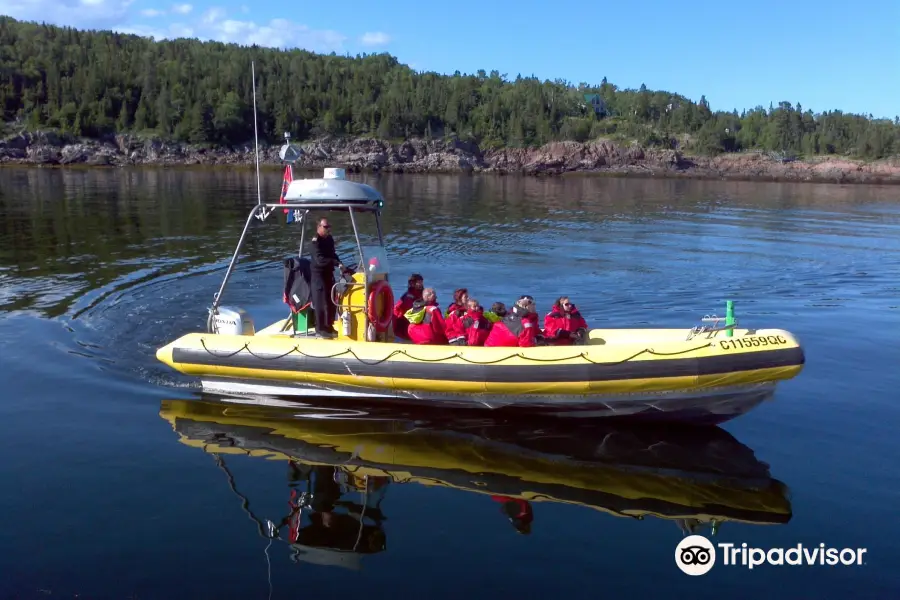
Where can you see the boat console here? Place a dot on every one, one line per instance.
(364, 298)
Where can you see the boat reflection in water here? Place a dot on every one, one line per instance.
(341, 461)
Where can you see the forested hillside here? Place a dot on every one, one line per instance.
(92, 83)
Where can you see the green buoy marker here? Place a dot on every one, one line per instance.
(729, 318)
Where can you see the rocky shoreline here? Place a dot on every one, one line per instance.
(445, 156)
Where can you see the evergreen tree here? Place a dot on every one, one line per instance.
(98, 82)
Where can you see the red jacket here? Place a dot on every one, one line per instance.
(454, 307)
(454, 324)
(432, 328)
(518, 511)
(514, 330)
(404, 304)
(519, 508)
(477, 328)
(556, 321)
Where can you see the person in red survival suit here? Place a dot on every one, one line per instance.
(518, 328)
(456, 333)
(475, 324)
(460, 297)
(518, 511)
(415, 285)
(564, 325)
(426, 324)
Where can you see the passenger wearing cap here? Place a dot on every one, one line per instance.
(426, 323)
(518, 328)
(415, 285)
(564, 325)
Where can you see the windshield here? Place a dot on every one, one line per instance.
(375, 260)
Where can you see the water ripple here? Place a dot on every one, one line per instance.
(99, 268)
(630, 252)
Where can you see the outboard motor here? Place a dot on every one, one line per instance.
(230, 320)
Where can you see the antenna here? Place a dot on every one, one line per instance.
(256, 135)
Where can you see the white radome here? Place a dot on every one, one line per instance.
(332, 187)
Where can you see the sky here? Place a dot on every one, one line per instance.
(739, 55)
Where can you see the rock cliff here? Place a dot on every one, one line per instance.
(445, 156)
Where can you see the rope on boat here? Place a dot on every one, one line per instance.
(582, 355)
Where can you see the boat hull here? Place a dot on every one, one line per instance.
(647, 374)
(707, 406)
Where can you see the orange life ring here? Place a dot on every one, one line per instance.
(382, 320)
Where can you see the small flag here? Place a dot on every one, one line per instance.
(288, 178)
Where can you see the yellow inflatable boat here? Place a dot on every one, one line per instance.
(706, 374)
(694, 476)
(653, 373)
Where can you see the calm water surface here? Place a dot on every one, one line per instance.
(123, 481)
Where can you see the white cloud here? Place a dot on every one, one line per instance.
(213, 15)
(180, 30)
(74, 13)
(144, 31)
(375, 38)
(213, 24)
(277, 33)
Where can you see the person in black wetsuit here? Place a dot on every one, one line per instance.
(324, 260)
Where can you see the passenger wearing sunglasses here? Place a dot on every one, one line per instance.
(564, 325)
(518, 328)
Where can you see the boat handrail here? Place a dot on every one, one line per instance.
(348, 284)
(360, 205)
(264, 209)
(361, 307)
(230, 270)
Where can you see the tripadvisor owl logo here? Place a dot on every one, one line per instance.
(695, 555)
